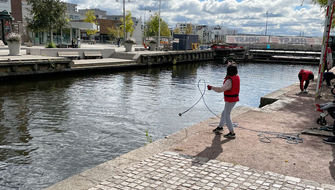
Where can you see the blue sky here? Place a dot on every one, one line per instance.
(285, 17)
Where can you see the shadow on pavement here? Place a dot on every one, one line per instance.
(214, 150)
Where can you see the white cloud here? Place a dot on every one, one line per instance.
(285, 17)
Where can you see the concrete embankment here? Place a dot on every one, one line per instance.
(37, 61)
(198, 158)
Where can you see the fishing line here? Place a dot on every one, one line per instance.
(201, 97)
(265, 136)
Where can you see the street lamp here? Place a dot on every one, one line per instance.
(266, 26)
(144, 21)
(124, 18)
(159, 25)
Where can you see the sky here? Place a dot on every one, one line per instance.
(284, 18)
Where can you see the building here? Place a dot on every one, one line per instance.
(207, 34)
(217, 33)
(183, 27)
(72, 12)
(105, 21)
(19, 11)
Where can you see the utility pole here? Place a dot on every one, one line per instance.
(124, 19)
(159, 25)
(145, 14)
(266, 26)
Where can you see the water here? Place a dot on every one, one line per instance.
(54, 128)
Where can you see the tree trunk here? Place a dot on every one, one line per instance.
(51, 36)
(61, 36)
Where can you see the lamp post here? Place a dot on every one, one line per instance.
(159, 25)
(144, 22)
(124, 18)
(266, 26)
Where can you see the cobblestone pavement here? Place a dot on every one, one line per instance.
(169, 170)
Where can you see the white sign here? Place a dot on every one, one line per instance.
(273, 40)
(247, 39)
(176, 40)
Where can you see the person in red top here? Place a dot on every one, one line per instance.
(305, 75)
(231, 89)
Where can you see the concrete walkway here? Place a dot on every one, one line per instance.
(197, 158)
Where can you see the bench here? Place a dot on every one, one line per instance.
(69, 54)
(61, 46)
(92, 55)
(72, 46)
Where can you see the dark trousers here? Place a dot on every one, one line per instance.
(306, 83)
(328, 76)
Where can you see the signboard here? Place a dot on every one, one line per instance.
(294, 40)
(176, 40)
(273, 40)
(247, 39)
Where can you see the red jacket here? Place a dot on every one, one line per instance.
(232, 95)
(304, 75)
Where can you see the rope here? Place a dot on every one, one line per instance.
(265, 136)
(201, 97)
(291, 138)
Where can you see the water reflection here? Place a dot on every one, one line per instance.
(51, 129)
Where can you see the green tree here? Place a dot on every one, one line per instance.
(90, 18)
(129, 24)
(189, 29)
(115, 32)
(176, 31)
(152, 26)
(323, 5)
(46, 15)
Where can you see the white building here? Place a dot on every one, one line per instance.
(207, 33)
(232, 32)
(217, 33)
(98, 13)
(72, 11)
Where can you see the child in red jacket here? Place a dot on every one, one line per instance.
(305, 75)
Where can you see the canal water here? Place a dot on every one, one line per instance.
(54, 128)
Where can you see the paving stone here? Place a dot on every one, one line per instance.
(170, 170)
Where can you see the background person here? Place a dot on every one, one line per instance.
(328, 76)
(331, 140)
(305, 75)
(231, 89)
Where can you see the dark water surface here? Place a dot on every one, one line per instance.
(52, 129)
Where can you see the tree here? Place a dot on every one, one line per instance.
(90, 18)
(323, 5)
(176, 31)
(46, 15)
(115, 32)
(129, 24)
(152, 26)
(189, 29)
